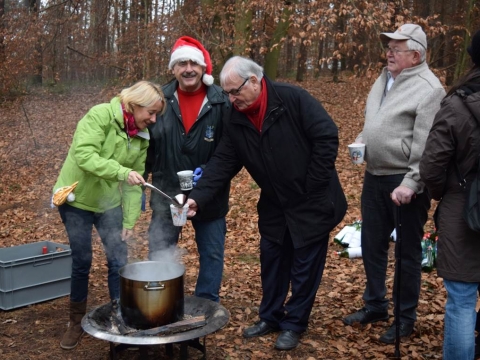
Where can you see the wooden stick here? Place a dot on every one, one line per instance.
(176, 327)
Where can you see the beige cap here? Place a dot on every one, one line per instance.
(407, 32)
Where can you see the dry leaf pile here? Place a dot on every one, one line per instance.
(36, 133)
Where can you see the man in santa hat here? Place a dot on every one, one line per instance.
(184, 138)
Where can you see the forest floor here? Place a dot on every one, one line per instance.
(36, 133)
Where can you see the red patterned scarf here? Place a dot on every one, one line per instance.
(129, 123)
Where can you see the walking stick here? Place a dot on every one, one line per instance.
(398, 271)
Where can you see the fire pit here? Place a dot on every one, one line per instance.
(100, 324)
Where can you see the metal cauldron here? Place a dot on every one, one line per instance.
(151, 293)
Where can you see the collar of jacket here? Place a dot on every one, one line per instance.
(411, 71)
(214, 92)
(275, 107)
(118, 117)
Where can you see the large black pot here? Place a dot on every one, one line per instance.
(151, 293)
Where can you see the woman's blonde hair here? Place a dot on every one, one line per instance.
(143, 93)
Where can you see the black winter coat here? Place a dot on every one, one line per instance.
(293, 162)
(172, 150)
(454, 139)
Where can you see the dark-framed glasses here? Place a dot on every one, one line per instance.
(236, 92)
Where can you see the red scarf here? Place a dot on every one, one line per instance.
(129, 123)
(256, 111)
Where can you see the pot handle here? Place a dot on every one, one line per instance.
(154, 286)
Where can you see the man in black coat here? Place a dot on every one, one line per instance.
(288, 143)
(184, 138)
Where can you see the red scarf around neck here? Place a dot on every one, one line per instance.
(256, 111)
(129, 123)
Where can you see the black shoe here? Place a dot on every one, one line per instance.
(365, 316)
(390, 334)
(288, 339)
(260, 328)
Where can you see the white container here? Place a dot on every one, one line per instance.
(179, 215)
(357, 153)
(185, 178)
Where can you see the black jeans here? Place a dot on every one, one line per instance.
(79, 225)
(378, 221)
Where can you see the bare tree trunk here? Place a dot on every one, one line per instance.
(289, 62)
(34, 6)
(302, 59)
(462, 56)
(243, 27)
(2, 28)
(271, 59)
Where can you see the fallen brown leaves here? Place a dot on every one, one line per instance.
(28, 172)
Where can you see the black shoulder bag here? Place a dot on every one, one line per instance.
(471, 210)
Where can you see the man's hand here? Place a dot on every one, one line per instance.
(402, 195)
(192, 208)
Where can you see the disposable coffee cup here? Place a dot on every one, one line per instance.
(186, 179)
(357, 153)
(179, 215)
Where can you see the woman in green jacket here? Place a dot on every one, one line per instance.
(106, 158)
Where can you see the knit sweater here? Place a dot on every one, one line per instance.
(396, 129)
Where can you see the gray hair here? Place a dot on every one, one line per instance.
(416, 46)
(242, 67)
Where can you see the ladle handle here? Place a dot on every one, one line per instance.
(173, 201)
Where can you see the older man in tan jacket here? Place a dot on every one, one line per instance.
(399, 113)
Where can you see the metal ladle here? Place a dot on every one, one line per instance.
(178, 201)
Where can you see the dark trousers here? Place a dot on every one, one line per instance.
(210, 239)
(283, 266)
(378, 221)
(79, 225)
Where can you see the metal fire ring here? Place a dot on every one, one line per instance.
(99, 326)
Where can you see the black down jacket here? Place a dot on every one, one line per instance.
(292, 160)
(172, 150)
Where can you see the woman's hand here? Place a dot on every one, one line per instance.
(127, 234)
(134, 178)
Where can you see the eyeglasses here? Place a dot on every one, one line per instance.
(236, 92)
(395, 51)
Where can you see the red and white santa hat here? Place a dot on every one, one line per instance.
(187, 48)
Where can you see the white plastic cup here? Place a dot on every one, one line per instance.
(185, 178)
(179, 215)
(357, 153)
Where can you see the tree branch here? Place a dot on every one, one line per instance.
(90, 57)
(29, 126)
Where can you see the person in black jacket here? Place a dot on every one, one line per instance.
(184, 138)
(288, 143)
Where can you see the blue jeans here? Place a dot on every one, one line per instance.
(378, 221)
(459, 323)
(79, 225)
(210, 239)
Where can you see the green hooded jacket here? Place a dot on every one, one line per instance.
(100, 159)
